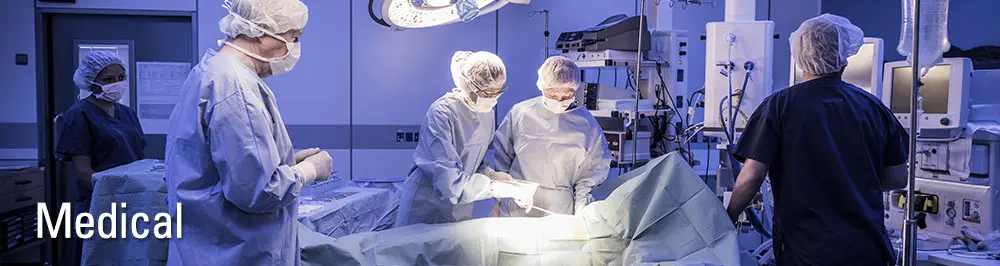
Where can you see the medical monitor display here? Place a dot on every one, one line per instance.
(859, 68)
(934, 91)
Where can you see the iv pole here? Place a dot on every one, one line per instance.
(910, 223)
(638, 68)
(546, 13)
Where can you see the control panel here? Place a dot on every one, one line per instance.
(947, 207)
(933, 155)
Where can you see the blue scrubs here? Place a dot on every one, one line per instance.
(825, 143)
(229, 164)
(109, 141)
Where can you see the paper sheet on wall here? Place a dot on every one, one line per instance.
(158, 87)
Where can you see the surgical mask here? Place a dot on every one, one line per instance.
(483, 105)
(480, 105)
(280, 65)
(557, 106)
(112, 92)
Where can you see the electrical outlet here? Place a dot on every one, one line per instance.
(400, 136)
(21, 59)
(409, 136)
(416, 136)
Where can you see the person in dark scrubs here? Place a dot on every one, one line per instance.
(831, 149)
(98, 133)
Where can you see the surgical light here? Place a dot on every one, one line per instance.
(428, 13)
(467, 10)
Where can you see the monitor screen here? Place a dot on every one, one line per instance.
(934, 91)
(859, 68)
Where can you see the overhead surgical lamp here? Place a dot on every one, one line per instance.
(412, 14)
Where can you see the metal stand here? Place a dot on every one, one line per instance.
(910, 222)
(729, 168)
(638, 73)
(546, 13)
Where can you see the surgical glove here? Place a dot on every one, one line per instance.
(303, 154)
(500, 176)
(578, 208)
(582, 202)
(317, 167)
(523, 193)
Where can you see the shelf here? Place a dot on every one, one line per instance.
(615, 63)
(628, 113)
(34, 243)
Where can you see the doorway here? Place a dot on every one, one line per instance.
(64, 36)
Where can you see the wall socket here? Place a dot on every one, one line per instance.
(407, 136)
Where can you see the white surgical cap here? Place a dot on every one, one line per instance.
(277, 16)
(822, 44)
(456, 66)
(558, 73)
(92, 64)
(482, 70)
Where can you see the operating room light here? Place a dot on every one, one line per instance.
(467, 10)
(428, 13)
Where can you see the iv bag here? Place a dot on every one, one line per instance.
(933, 33)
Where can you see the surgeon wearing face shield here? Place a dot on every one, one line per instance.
(830, 149)
(553, 141)
(229, 158)
(448, 173)
(98, 133)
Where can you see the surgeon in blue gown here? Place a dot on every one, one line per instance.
(98, 133)
(449, 175)
(553, 141)
(830, 149)
(229, 160)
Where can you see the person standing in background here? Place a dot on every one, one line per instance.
(98, 133)
(831, 149)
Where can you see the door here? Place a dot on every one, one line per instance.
(65, 37)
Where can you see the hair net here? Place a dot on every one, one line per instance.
(92, 64)
(822, 44)
(456, 66)
(482, 70)
(558, 72)
(277, 16)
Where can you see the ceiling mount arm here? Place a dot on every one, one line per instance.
(371, 13)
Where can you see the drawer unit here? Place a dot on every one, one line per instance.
(20, 199)
(13, 181)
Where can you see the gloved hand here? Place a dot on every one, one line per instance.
(500, 176)
(317, 167)
(303, 154)
(581, 202)
(578, 208)
(522, 192)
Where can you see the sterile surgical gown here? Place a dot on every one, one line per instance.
(443, 183)
(566, 154)
(229, 164)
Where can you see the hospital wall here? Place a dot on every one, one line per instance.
(971, 23)
(358, 83)
(18, 127)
